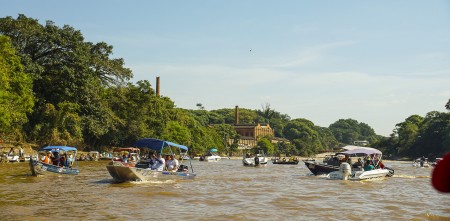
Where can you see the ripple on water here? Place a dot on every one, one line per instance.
(225, 190)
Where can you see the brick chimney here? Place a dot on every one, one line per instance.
(157, 87)
(236, 115)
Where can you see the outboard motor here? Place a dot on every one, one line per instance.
(345, 169)
(391, 171)
(256, 161)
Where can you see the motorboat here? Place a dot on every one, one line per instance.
(348, 174)
(332, 163)
(421, 162)
(370, 168)
(123, 171)
(185, 157)
(258, 158)
(106, 156)
(10, 156)
(211, 156)
(288, 161)
(63, 161)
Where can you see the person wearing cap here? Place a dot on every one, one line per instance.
(47, 158)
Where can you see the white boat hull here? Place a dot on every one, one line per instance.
(212, 158)
(359, 175)
(417, 164)
(123, 173)
(251, 161)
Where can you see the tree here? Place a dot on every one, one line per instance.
(265, 144)
(304, 136)
(200, 106)
(64, 69)
(408, 133)
(348, 130)
(16, 98)
(433, 136)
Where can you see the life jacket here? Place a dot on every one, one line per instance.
(47, 160)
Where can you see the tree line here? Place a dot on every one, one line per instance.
(58, 89)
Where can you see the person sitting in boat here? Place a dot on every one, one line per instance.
(69, 160)
(62, 161)
(125, 158)
(159, 163)
(368, 166)
(172, 164)
(47, 158)
(55, 158)
(358, 164)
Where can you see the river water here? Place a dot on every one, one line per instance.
(224, 190)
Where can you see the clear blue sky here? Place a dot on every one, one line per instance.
(377, 62)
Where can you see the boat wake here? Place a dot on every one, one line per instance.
(152, 182)
(409, 176)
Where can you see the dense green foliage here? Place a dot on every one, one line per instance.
(16, 98)
(349, 130)
(418, 136)
(56, 88)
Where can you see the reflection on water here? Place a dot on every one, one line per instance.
(223, 190)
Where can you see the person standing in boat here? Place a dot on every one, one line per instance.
(11, 152)
(152, 160)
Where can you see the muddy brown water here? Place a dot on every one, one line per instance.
(223, 190)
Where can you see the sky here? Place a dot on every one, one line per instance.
(377, 62)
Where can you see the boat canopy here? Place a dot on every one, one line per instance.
(353, 147)
(156, 144)
(129, 149)
(58, 148)
(367, 151)
(213, 150)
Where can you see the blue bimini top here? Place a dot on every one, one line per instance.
(58, 148)
(156, 144)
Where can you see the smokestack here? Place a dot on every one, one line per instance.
(157, 86)
(236, 115)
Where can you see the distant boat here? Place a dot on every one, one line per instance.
(64, 161)
(421, 162)
(211, 156)
(288, 161)
(257, 158)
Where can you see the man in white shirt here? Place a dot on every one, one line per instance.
(159, 163)
(172, 164)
